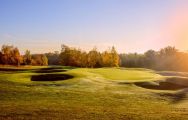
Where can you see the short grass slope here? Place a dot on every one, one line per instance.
(88, 94)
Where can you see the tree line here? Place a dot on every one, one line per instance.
(10, 55)
(168, 58)
(70, 56)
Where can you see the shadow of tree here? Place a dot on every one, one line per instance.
(53, 69)
(49, 70)
(15, 70)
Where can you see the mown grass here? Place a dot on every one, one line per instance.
(97, 94)
(126, 74)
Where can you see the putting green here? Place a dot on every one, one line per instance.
(127, 74)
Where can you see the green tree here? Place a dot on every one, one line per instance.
(65, 55)
(44, 60)
(27, 57)
(167, 51)
(53, 58)
(150, 58)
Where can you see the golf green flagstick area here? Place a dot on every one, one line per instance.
(69, 93)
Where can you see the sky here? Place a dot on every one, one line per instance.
(129, 25)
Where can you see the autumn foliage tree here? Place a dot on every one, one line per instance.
(10, 55)
(168, 58)
(76, 57)
(110, 58)
(93, 58)
(39, 60)
(16, 57)
(1, 55)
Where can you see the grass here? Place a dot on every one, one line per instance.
(126, 74)
(96, 94)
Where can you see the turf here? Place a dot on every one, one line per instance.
(98, 94)
(126, 74)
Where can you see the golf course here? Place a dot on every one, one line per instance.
(62, 92)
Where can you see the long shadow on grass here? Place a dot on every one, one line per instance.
(12, 69)
(50, 70)
(41, 70)
(15, 70)
(54, 69)
(51, 77)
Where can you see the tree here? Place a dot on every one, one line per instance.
(70, 56)
(110, 58)
(10, 55)
(1, 55)
(114, 57)
(6, 51)
(150, 58)
(53, 58)
(93, 58)
(44, 60)
(39, 59)
(167, 57)
(168, 51)
(105, 59)
(132, 60)
(65, 55)
(27, 58)
(83, 60)
(75, 57)
(16, 57)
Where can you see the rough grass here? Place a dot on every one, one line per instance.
(91, 94)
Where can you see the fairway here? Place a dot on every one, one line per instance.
(91, 93)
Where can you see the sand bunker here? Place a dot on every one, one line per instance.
(51, 77)
(169, 84)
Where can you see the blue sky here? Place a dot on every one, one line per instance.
(129, 25)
